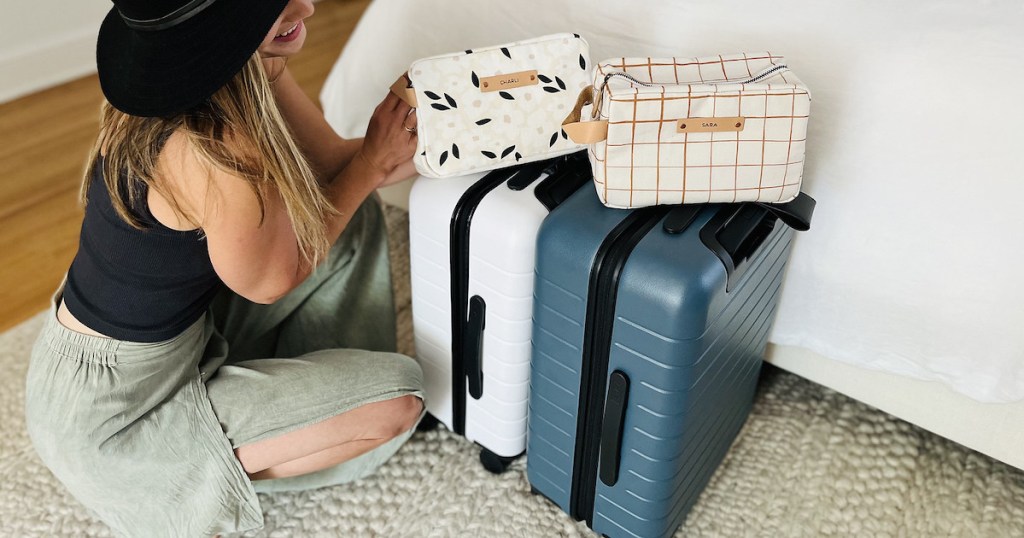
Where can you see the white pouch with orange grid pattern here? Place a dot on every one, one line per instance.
(729, 128)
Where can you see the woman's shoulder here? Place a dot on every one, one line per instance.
(197, 186)
(177, 192)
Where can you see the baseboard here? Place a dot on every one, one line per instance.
(45, 67)
(992, 429)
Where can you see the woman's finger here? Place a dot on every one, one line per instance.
(390, 102)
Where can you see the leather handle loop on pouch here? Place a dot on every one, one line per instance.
(403, 89)
(584, 132)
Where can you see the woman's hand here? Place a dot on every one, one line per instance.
(389, 142)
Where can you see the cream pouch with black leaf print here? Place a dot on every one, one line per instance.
(487, 108)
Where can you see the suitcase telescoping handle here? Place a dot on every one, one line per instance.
(736, 231)
(611, 427)
(474, 343)
(796, 213)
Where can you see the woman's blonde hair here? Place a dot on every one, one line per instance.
(240, 131)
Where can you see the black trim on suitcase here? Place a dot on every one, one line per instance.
(467, 367)
(604, 282)
(459, 258)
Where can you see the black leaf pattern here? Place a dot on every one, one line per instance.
(484, 121)
(560, 83)
(554, 138)
(506, 53)
(488, 154)
(444, 157)
(476, 80)
(577, 36)
(455, 151)
(551, 89)
(450, 101)
(469, 51)
(544, 79)
(565, 136)
(431, 95)
(507, 150)
(439, 107)
(583, 63)
(506, 95)
(518, 156)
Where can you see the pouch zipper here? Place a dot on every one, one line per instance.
(765, 73)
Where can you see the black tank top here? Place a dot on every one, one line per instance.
(137, 285)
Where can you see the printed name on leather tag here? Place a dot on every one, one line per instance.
(508, 80)
(709, 125)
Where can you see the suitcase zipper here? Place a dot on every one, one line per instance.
(459, 259)
(604, 280)
(462, 216)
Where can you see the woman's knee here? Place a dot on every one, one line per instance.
(400, 415)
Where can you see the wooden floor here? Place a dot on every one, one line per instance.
(44, 141)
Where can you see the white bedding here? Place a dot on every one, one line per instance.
(915, 154)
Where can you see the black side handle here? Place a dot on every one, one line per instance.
(796, 213)
(474, 346)
(611, 428)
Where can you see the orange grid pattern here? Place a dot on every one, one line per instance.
(644, 160)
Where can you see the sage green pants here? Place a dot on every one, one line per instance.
(143, 434)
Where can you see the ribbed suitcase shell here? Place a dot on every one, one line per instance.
(502, 248)
(692, 353)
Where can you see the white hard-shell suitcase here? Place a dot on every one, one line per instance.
(472, 307)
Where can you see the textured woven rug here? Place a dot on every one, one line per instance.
(809, 462)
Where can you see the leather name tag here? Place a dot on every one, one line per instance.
(509, 80)
(709, 125)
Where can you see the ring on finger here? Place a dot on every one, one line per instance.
(406, 127)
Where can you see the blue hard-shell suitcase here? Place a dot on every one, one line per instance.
(649, 330)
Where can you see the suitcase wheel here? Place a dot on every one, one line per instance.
(493, 462)
(428, 423)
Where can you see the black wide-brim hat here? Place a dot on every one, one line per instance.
(163, 63)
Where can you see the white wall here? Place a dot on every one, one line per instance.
(47, 42)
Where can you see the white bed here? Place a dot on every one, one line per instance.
(905, 294)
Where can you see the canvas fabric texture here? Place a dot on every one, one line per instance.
(650, 157)
(467, 123)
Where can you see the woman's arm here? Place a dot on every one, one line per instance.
(327, 152)
(260, 260)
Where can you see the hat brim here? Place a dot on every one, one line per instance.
(167, 72)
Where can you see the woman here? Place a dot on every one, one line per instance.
(226, 325)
